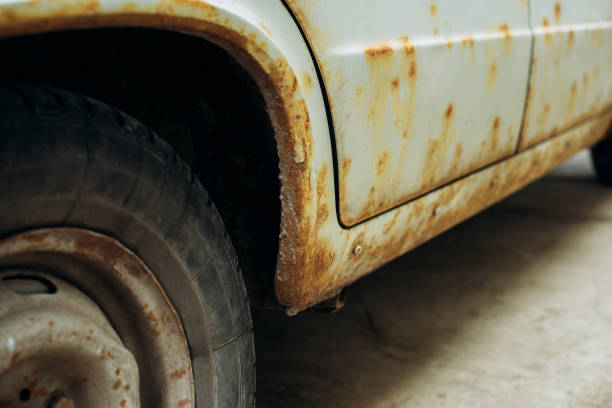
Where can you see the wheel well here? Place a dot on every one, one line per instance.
(195, 96)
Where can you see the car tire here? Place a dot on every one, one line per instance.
(69, 161)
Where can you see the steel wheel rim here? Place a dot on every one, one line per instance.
(141, 322)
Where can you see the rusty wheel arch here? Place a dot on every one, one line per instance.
(276, 58)
(208, 108)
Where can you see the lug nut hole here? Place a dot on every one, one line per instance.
(24, 395)
(29, 285)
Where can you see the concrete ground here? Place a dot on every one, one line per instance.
(512, 308)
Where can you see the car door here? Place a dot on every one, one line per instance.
(420, 93)
(569, 81)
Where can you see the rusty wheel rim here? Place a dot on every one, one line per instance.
(85, 323)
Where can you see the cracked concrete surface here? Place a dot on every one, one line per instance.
(512, 308)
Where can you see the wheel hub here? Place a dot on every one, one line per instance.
(84, 323)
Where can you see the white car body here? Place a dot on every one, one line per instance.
(427, 112)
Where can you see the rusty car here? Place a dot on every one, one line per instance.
(165, 165)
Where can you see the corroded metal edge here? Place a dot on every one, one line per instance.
(266, 41)
(349, 254)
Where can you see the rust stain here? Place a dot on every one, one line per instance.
(184, 402)
(468, 41)
(150, 316)
(448, 113)
(346, 164)
(506, 31)
(177, 374)
(307, 81)
(382, 163)
(496, 123)
(558, 13)
(597, 37)
(572, 98)
(436, 31)
(449, 43)
(492, 76)
(433, 10)
(91, 245)
(391, 88)
(545, 22)
(322, 210)
(382, 50)
(407, 46)
(389, 226)
(570, 37)
(437, 151)
(395, 83)
(359, 95)
(122, 403)
(494, 137)
(542, 119)
(117, 384)
(412, 73)
(454, 169)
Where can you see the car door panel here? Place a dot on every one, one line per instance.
(421, 93)
(569, 80)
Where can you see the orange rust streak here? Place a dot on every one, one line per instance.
(382, 50)
(449, 43)
(307, 81)
(413, 70)
(407, 45)
(437, 151)
(469, 40)
(492, 76)
(177, 374)
(558, 13)
(572, 98)
(382, 163)
(494, 137)
(322, 209)
(433, 10)
(506, 31)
